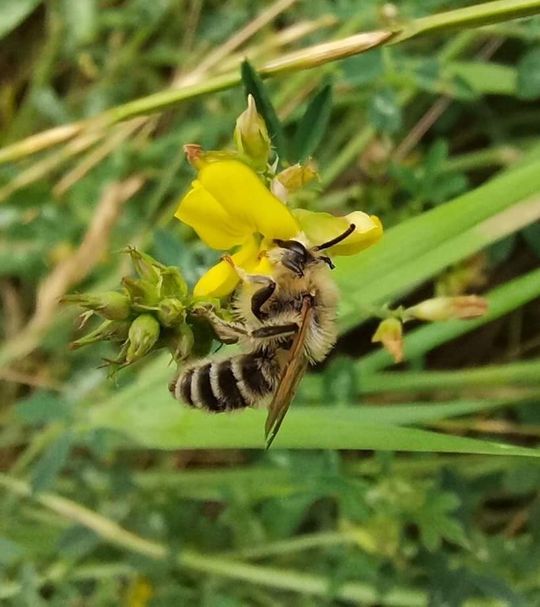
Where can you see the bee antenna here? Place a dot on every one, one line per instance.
(327, 261)
(337, 239)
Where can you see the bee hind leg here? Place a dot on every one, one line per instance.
(228, 332)
(275, 331)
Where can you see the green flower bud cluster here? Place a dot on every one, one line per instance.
(154, 309)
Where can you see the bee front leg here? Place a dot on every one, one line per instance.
(259, 298)
(246, 276)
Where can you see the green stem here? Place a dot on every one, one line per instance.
(504, 155)
(288, 579)
(471, 16)
(297, 544)
(104, 527)
(502, 300)
(482, 14)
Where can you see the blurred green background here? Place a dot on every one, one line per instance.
(111, 492)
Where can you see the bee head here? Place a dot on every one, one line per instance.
(296, 256)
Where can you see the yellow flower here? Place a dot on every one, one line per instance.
(390, 334)
(229, 207)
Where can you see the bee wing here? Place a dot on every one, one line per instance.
(292, 374)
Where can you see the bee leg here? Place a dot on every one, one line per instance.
(259, 298)
(275, 330)
(227, 332)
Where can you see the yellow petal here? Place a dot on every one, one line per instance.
(368, 230)
(264, 266)
(244, 197)
(221, 280)
(218, 281)
(322, 227)
(217, 228)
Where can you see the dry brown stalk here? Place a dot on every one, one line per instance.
(95, 156)
(72, 270)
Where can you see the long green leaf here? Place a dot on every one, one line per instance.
(147, 414)
(14, 12)
(525, 374)
(313, 124)
(168, 425)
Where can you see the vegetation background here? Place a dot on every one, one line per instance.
(112, 494)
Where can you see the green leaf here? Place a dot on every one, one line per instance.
(148, 415)
(435, 523)
(364, 69)
(41, 408)
(531, 234)
(81, 21)
(313, 125)
(528, 75)
(384, 111)
(339, 383)
(51, 463)
(426, 73)
(501, 250)
(254, 85)
(14, 12)
(10, 551)
(483, 78)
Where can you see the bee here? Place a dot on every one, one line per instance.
(284, 322)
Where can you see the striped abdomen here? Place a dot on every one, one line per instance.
(225, 385)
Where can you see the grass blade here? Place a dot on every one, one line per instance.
(360, 427)
(313, 125)
(415, 250)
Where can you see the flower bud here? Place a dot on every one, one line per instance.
(111, 304)
(297, 176)
(251, 136)
(180, 342)
(146, 266)
(446, 308)
(390, 334)
(172, 283)
(143, 334)
(170, 312)
(110, 330)
(193, 152)
(142, 293)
